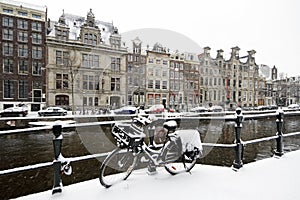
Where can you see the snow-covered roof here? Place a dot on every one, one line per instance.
(191, 56)
(243, 59)
(26, 5)
(74, 22)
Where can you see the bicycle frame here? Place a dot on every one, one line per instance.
(156, 155)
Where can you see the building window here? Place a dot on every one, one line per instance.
(115, 65)
(7, 34)
(91, 83)
(62, 57)
(8, 66)
(150, 99)
(22, 24)
(36, 68)
(36, 26)
(157, 84)
(7, 22)
(90, 61)
(62, 100)
(96, 101)
(164, 73)
(8, 89)
(22, 36)
(36, 38)
(90, 101)
(157, 71)
(164, 85)
(61, 34)
(62, 81)
(6, 10)
(36, 16)
(115, 84)
(157, 99)
(150, 84)
(23, 50)
(8, 49)
(85, 82)
(23, 89)
(37, 52)
(22, 13)
(23, 67)
(130, 58)
(90, 38)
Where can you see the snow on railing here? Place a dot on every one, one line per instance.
(62, 165)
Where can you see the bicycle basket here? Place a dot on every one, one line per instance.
(127, 135)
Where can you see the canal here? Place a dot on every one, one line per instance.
(36, 147)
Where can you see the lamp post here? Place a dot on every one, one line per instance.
(83, 103)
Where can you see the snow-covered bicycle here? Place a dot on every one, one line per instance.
(178, 153)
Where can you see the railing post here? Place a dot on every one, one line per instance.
(57, 141)
(238, 163)
(279, 139)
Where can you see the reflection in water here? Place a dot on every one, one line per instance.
(31, 148)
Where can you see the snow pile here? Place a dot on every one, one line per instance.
(271, 178)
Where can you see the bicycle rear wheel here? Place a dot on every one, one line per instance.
(176, 162)
(117, 167)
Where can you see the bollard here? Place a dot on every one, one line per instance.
(238, 163)
(57, 141)
(279, 139)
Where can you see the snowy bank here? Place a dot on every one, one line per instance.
(272, 178)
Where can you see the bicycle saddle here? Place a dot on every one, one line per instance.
(170, 125)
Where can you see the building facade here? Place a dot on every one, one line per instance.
(23, 55)
(136, 74)
(157, 76)
(86, 64)
(230, 83)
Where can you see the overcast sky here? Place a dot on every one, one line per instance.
(271, 27)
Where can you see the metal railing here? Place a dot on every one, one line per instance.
(62, 165)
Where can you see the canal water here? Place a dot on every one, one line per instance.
(36, 147)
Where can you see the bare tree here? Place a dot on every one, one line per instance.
(73, 63)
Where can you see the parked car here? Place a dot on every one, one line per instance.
(215, 109)
(126, 110)
(155, 109)
(199, 109)
(53, 111)
(272, 107)
(21, 111)
(261, 108)
(294, 107)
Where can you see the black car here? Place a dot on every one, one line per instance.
(14, 112)
(53, 111)
(126, 110)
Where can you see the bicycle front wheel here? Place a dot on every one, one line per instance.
(175, 161)
(117, 167)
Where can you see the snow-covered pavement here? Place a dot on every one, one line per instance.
(272, 178)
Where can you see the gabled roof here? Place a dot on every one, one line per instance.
(74, 22)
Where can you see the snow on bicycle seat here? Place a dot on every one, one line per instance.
(131, 130)
(170, 125)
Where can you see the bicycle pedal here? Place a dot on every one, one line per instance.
(143, 159)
